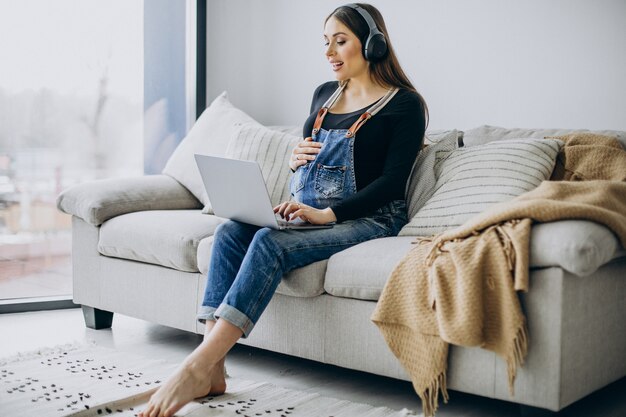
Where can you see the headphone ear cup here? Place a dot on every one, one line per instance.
(375, 47)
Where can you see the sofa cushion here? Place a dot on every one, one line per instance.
(97, 201)
(307, 281)
(271, 149)
(469, 180)
(484, 134)
(166, 238)
(577, 246)
(361, 271)
(421, 184)
(208, 136)
(292, 130)
(437, 135)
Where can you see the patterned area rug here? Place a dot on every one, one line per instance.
(85, 381)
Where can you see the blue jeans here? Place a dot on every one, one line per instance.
(248, 262)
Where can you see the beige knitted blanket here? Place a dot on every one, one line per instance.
(460, 286)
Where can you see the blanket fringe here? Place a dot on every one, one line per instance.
(430, 396)
(437, 245)
(435, 250)
(515, 359)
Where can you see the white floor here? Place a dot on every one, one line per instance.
(28, 331)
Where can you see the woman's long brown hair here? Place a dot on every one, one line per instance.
(386, 71)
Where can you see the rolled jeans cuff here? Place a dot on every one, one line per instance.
(235, 317)
(206, 313)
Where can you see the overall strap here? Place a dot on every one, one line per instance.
(327, 105)
(371, 112)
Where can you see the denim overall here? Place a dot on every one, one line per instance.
(329, 178)
(248, 262)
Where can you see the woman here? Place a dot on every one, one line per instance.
(366, 131)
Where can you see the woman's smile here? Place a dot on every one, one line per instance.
(336, 65)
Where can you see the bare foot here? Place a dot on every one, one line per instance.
(201, 374)
(188, 382)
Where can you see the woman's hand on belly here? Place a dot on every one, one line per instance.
(290, 210)
(304, 151)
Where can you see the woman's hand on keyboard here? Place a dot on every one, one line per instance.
(290, 210)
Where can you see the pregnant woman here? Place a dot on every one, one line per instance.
(361, 139)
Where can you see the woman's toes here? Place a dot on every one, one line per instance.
(146, 412)
(154, 411)
(170, 412)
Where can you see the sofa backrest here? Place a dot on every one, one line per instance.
(484, 134)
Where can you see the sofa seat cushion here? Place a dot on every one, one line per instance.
(163, 237)
(361, 271)
(307, 281)
(577, 246)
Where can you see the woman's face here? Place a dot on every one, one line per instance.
(343, 51)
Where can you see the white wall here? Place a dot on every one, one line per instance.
(533, 63)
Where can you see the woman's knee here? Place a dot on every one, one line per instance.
(232, 233)
(230, 228)
(268, 239)
(223, 228)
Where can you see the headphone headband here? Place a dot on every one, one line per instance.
(375, 46)
(366, 16)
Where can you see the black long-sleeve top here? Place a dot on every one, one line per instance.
(385, 148)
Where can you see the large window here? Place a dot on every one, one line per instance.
(71, 110)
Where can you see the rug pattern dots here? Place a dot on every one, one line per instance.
(90, 381)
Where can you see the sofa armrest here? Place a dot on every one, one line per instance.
(97, 201)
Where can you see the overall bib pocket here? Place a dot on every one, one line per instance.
(329, 180)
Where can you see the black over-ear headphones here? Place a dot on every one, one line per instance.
(375, 46)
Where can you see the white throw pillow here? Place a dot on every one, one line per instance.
(208, 136)
(271, 149)
(469, 180)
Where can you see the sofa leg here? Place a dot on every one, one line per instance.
(97, 319)
(528, 411)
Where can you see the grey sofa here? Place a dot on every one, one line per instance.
(141, 247)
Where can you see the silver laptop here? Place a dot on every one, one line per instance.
(237, 191)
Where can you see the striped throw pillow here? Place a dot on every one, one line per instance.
(468, 180)
(271, 149)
